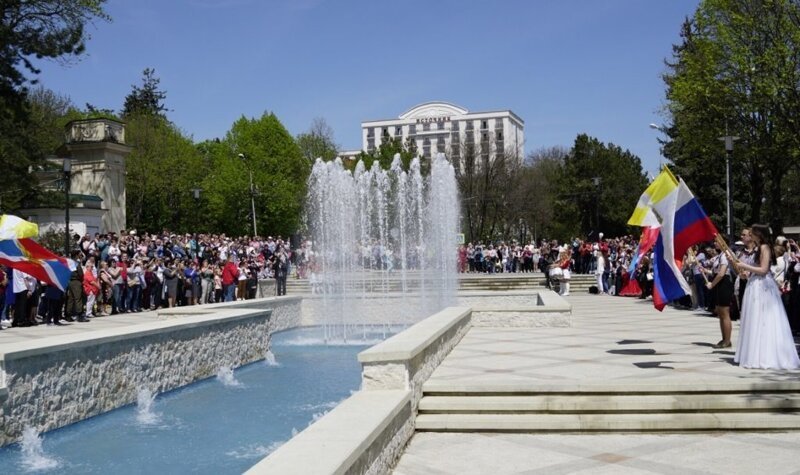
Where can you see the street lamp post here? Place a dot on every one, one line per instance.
(597, 183)
(196, 196)
(660, 153)
(252, 197)
(729, 139)
(67, 170)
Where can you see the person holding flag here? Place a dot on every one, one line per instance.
(669, 204)
(20, 252)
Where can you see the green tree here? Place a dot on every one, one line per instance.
(487, 177)
(279, 171)
(538, 193)
(737, 71)
(162, 169)
(32, 30)
(146, 99)
(318, 141)
(598, 188)
(389, 147)
(41, 29)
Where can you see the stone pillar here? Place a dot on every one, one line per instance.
(98, 151)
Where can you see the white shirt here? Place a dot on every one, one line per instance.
(23, 282)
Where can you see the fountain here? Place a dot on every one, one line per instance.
(145, 415)
(384, 243)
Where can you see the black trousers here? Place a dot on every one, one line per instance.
(20, 309)
(54, 307)
(280, 283)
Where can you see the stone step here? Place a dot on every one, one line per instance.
(560, 403)
(669, 422)
(447, 387)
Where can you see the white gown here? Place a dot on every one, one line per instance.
(765, 339)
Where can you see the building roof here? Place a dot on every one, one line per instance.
(433, 109)
(440, 109)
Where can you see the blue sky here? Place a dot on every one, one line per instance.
(565, 67)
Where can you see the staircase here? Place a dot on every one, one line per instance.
(746, 407)
(580, 283)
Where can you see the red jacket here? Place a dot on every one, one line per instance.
(230, 273)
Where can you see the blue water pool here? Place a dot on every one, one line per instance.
(208, 427)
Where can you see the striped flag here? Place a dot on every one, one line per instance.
(31, 258)
(14, 227)
(683, 224)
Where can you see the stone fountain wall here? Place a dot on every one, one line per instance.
(52, 382)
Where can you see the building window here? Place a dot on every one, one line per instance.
(440, 125)
(370, 132)
(440, 145)
(398, 131)
(370, 145)
(484, 124)
(385, 132)
(469, 125)
(426, 148)
(454, 125)
(499, 135)
(484, 137)
(426, 126)
(412, 129)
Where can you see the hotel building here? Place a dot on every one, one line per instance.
(442, 127)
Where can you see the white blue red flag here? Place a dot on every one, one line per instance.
(31, 258)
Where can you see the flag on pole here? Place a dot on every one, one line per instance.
(14, 227)
(31, 258)
(646, 242)
(683, 223)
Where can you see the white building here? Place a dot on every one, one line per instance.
(447, 128)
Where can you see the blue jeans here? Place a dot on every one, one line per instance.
(700, 290)
(133, 298)
(230, 292)
(117, 292)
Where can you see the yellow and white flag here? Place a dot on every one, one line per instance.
(14, 227)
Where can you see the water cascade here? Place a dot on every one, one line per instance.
(383, 241)
(145, 415)
(225, 376)
(33, 456)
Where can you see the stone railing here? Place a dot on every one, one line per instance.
(406, 360)
(95, 130)
(544, 308)
(286, 310)
(58, 380)
(365, 434)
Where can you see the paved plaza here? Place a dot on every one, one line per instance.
(614, 343)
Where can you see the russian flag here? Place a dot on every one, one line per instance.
(684, 223)
(28, 256)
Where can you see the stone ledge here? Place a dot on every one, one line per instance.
(416, 339)
(365, 423)
(612, 386)
(99, 337)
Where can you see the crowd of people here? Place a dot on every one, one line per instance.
(130, 272)
(719, 277)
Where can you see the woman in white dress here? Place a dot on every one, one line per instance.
(765, 339)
